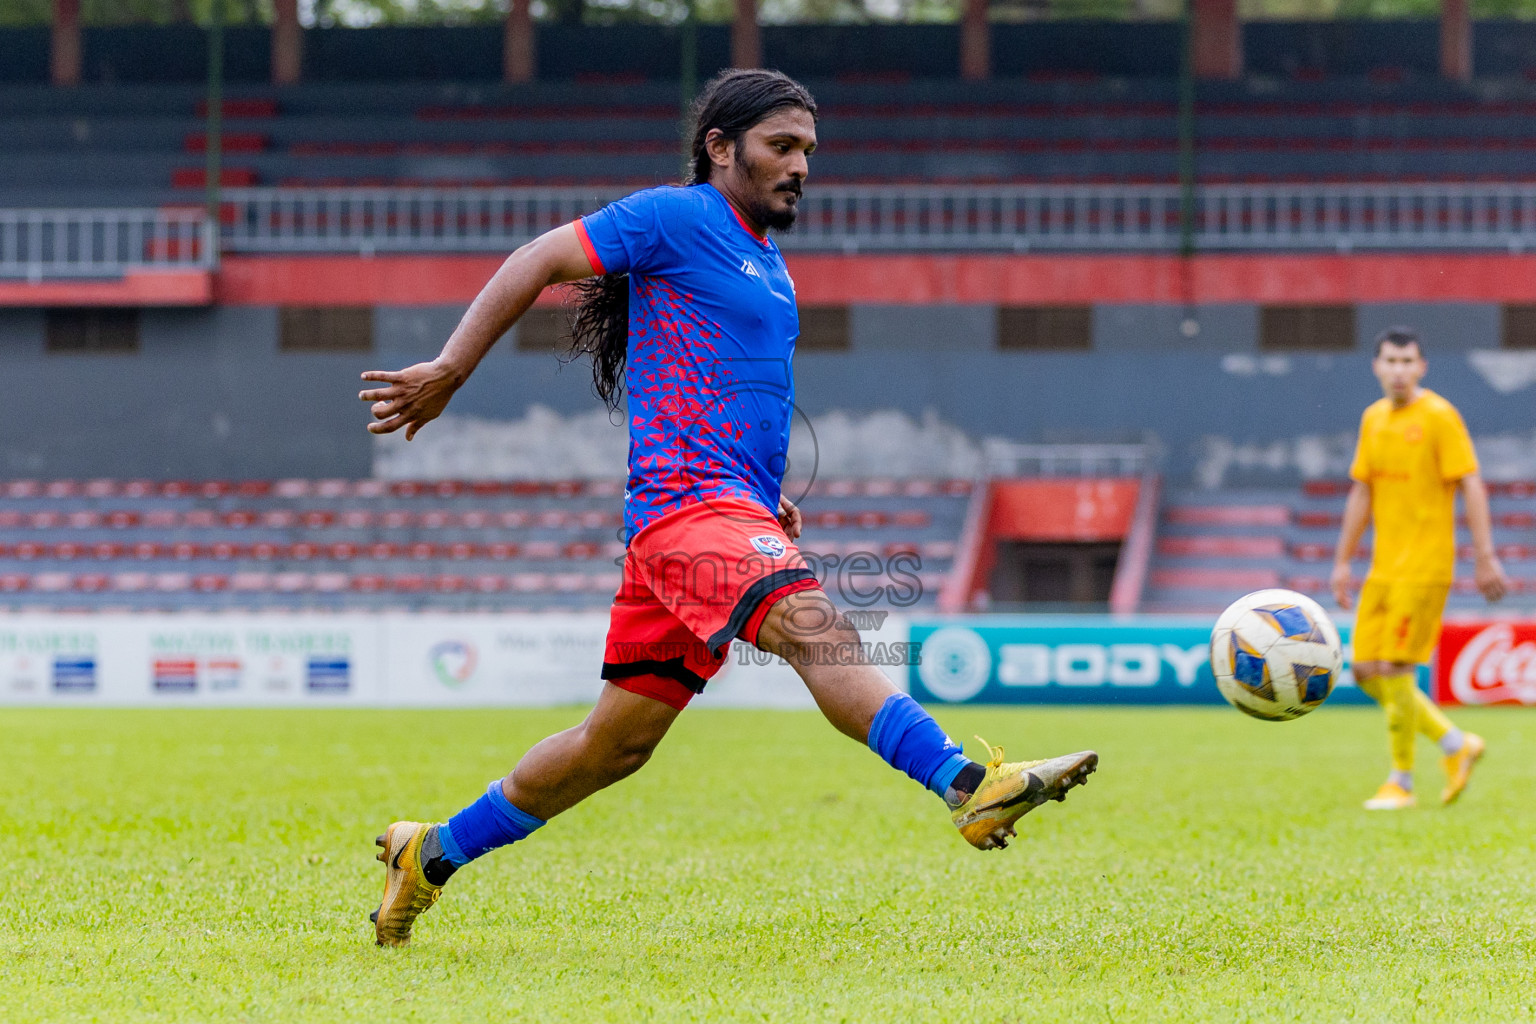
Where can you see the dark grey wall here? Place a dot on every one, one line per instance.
(210, 395)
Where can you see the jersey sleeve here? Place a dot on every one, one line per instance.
(1360, 468)
(649, 232)
(1454, 445)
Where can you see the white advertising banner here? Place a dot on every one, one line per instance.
(389, 660)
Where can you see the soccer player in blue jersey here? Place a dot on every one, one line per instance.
(687, 309)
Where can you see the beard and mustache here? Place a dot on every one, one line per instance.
(776, 218)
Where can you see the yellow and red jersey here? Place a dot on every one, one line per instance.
(1412, 458)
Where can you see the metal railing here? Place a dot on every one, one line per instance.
(38, 244)
(873, 218)
(1013, 459)
(105, 243)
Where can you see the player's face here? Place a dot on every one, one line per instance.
(771, 163)
(1399, 368)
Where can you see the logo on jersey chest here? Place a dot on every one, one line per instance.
(750, 269)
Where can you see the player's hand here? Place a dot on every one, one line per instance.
(415, 397)
(790, 518)
(1491, 579)
(1342, 582)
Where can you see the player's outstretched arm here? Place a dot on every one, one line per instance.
(1489, 573)
(417, 395)
(1357, 512)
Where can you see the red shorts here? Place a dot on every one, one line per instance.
(694, 580)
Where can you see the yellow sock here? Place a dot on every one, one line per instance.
(1432, 721)
(1395, 694)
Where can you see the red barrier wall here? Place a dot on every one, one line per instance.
(881, 279)
(928, 279)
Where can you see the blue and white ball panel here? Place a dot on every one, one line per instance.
(1275, 654)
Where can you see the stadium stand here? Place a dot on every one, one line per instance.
(1213, 544)
(143, 145)
(440, 545)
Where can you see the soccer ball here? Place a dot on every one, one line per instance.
(1275, 654)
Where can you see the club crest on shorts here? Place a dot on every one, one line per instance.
(769, 545)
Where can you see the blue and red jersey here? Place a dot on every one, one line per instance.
(712, 328)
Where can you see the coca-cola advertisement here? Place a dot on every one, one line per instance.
(1486, 663)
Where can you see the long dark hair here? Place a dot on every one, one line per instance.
(733, 101)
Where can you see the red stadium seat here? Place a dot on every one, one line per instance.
(370, 583)
(1215, 579)
(330, 582)
(209, 583)
(92, 582)
(11, 582)
(529, 582)
(52, 582)
(487, 583)
(131, 581)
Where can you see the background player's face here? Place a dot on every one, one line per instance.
(765, 170)
(1399, 368)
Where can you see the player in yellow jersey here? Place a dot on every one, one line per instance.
(1413, 455)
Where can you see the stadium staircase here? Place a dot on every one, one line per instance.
(340, 545)
(137, 145)
(1215, 545)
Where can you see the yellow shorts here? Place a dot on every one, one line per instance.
(1399, 622)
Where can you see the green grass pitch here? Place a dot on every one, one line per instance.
(218, 866)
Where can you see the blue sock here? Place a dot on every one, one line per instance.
(911, 741)
(489, 822)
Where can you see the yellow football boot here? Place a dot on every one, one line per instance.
(1458, 766)
(1009, 791)
(1391, 797)
(407, 893)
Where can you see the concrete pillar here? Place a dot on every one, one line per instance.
(975, 41)
(64, 58)
(287, 43)
(746, 38)
(517, 56)
(1217, 41)
(1455, 41)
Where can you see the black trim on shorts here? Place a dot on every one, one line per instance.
(670, 668)
(748, 602)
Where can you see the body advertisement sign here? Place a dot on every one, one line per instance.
(1486, 663)
(1072, 659)
(439, 660)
